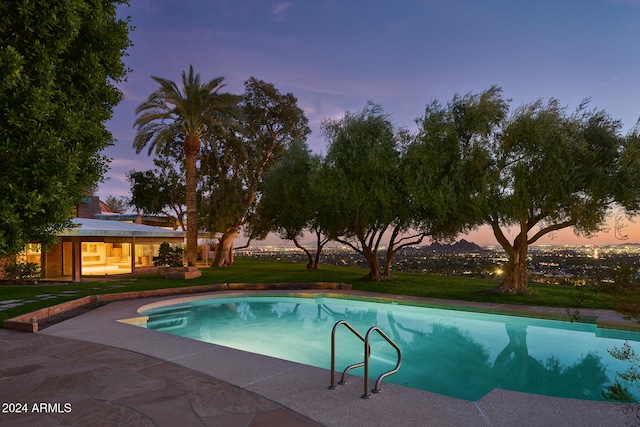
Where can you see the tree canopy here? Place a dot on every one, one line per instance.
(445, 160)
(60, 62)
(289, 205)
(240, 156)
(117, 204)
(537, 169)
(160, 190)
(361, 186)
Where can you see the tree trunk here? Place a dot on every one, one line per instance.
(374, 267)
(231, 255)
(387, 271)
(320, 242)
(224, 254)
(310, 264)
(316, 258)
(515, 353)
(396, 243)
(191, 148)
(390, 252)
(515, 272)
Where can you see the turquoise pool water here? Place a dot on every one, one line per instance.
(456, 353)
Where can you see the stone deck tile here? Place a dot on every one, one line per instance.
(199, 388)
(109, 386)
(279, 417)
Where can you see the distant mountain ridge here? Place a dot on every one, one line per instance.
(459, 246)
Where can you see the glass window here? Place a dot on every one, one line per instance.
(145, 252)
(101, 259)
(32, 253)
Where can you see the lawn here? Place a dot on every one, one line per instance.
(262, 271)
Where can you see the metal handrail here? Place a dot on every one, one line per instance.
(365, 362)
(343, 378)
(376, 388)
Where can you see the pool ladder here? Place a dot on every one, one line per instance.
(365, 362)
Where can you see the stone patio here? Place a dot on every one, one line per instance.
(106, 386)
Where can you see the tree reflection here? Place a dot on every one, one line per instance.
(437, 357)
(451, 362)
(444, 359)
(515, 369)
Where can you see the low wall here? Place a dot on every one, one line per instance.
(29, 322)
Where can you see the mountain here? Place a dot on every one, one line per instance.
(460, 246)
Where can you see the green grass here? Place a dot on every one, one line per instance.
(261, 271)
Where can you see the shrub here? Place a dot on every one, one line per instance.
(620, 391)
(169, 256)
(22, 272)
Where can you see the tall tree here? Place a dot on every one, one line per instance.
(60, 62)
(407, 228)
(541, 170)
(361, 182)
(551, 171)
(444, 162)
(238, 160)
(289, 205)
(184, 115)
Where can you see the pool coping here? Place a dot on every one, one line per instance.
(29, 322)
(603, 319)
(303, 389)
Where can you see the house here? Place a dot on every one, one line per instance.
(112, 244)
(97, 247)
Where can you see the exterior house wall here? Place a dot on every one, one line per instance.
(53, 261)
(90, 208)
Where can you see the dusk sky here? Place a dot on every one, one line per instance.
(335, 55)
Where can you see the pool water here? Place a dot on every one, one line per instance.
(456, 353)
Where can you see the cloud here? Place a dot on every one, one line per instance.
(279, 10)
(318, 89)
(615, 78)
(120, 165)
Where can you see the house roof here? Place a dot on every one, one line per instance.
(156, 221)
(86, 227)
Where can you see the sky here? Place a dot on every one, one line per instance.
(335, 55)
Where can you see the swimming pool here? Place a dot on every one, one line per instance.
(456, 353)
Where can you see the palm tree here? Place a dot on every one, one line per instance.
(184, 115)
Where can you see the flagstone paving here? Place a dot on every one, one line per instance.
(10, 303)
(63, 382)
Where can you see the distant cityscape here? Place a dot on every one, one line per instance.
(553, 264)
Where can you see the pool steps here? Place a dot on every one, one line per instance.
(365, 362)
